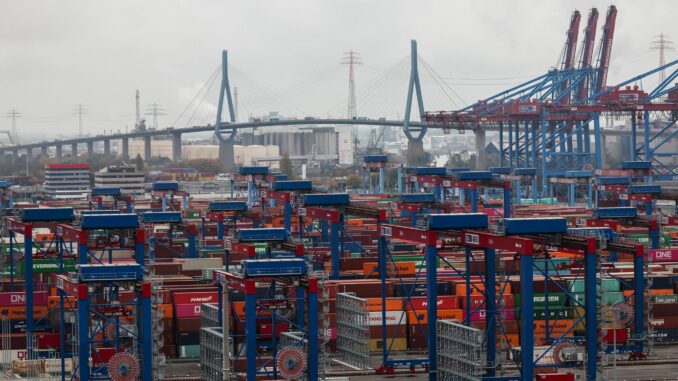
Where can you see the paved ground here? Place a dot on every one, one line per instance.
(668, 370)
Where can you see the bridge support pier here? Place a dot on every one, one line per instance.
(481, 158)
(226, 154)
(147, 148)
(125, 148)
(74, 150)
(90, 149)
(414, 147)
(107, 147)
(59, 151)
(176, 147)
(43, 151)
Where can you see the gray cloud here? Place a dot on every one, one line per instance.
(55, 54)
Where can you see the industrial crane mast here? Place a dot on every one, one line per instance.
(570, 48)
(606, 47)
(587, 49)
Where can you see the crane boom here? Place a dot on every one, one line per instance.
(587, 49)
(606, 47)
(570, 49)
(571, 44)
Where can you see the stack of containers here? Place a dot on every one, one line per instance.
(187, 319)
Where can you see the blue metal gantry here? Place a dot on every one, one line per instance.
(520, 178)
(373, 163)
(471, 182)
(432, 225)
(573, 179)
(164, 188)
(115, 195)
(285, 191)
(175, 222)
(25, 229)
(96, 285)
(286, 275)
(411, 205)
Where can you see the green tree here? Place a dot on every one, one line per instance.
(139, 162)
(354, 181)
(206, 165)
(286, 165)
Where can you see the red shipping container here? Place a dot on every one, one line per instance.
(556, 377)
(481, 315)
(196, 297)
(622, 336)
(187, 310)
(102, 355)
(19, 298)
(266, 329)
(445, 302)
(477, 300)
(48, 340)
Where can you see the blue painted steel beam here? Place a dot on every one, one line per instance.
(47, 214)
(227, 206)
(106, 192)
(293, 185)
(417, 198)
(166, 186)
(161, 217)
(320, 199)
(253, 170)
(109, 221)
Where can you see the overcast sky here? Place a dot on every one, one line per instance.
(285, 54)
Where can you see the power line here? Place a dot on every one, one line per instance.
(155, 110)
(80, 110)
(14, 114)
(662, 44)
(351, 59)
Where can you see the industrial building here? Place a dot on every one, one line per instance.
(67, 181)
(128, 179)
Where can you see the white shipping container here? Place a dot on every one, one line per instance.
(392, 318)
(544, 354)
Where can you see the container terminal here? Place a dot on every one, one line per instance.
(540, 260)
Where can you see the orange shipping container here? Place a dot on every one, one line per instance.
(422, 316)
(540, 338)
(555, 326)
(513, 339)
(661, 291)
(374, 304)
(69, 302)
(401, 268)
(478, 288)
(20, 312)
(167, 310)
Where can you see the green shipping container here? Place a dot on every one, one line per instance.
(553, 313)
(189, 351)
(193, 214)
(609, 298)
(557, 300)
(44, 266)
(666, 299)
(608, 284)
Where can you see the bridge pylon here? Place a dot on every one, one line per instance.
(414, 134)
(225, 142)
